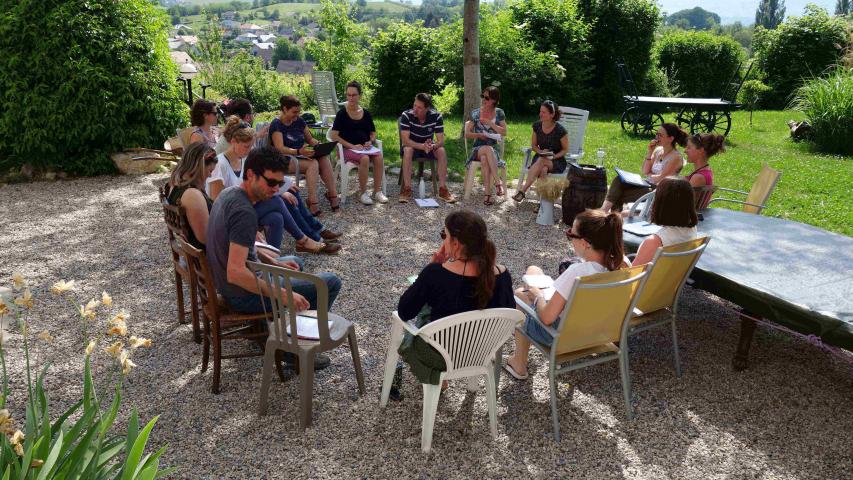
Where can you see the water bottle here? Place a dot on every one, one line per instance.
(421, 189)
(600, 154)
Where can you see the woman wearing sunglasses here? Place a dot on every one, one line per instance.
(462, 277)
(186, 189)
(596, 237)
(203, 117)
(486, 122)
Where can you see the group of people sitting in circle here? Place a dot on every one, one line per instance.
(239, 201)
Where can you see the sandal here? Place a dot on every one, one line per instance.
(513, 373)
(499, 189)
(518, 196)
(336, 205)
(316, 212)
(488, 200)
(319, 247)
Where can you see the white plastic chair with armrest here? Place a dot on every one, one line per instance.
(342, 168)
(574, 120)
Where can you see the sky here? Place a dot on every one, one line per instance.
(738, 10)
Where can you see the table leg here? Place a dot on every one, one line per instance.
(740, 362)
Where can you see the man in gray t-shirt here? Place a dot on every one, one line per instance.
(231, 231)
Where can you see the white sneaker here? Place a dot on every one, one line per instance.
(365, 199)
(380, 197)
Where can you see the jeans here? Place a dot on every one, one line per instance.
(304, 220)
(276, 218)
(256, 303)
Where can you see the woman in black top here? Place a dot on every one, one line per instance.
(462, 277)
(186, 189)
(550, 144)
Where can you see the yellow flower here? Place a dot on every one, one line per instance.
(118, 328)
(120, 317)
(115, 349)
(5, 422)
(126, 363)
(106, 299)
(91, 347)
(62, 286)
(46, 336)
(136, 342)
(87, 313)
(19, 449)
(17, 437)
(18, 280)
(4, 309)
(92, 305)
(26, 300)
(36, 463)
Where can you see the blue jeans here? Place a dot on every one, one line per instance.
(304, 220)
(256, 303)
(276, 218)
(535, 331)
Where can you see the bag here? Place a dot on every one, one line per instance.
(309, 118)
(587, 189)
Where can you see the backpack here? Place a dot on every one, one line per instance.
(587, 189)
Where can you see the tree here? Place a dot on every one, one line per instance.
(342, 47)
(696, 18)
(471, 54)
(210, 41)
(770, 13)
(274, 15)
(843, 7)
(286, 50)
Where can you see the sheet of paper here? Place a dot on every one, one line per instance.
(369, 151)
(306, 326)
(267, 246)
(538, 281)
(642, 229)
(426, 202)
(494, 136)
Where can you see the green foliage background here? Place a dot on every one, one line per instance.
(82, 79)
(698, 64)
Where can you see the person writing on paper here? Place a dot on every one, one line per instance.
(596, 237)
(186, 189)
(418, 126)
(463, 276)
(662, 160)
(291, 136)
(353, 128)
(203, 117)
(673, 208)
(243, 109)
(487, 123)
(549, 143)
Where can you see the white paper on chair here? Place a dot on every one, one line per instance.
(306, 326)
(641, 229)
(426, 202)
(369, 151)
(542, 282)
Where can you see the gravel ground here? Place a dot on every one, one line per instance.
(783, 418)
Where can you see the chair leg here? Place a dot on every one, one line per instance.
(625, 372)
(555, 416)
(356, 360)
(499, 357)
(306, 387)
(266, 379)
(391, 361)
(431, 394)
(491, 398)
(432, 164)
(205, 350)
(194, 311)
(344, 192)
(675, 356)
(470, 177)
(217, 359)
(179, 293)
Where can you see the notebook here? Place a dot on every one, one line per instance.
(369, 151)
(542, 282)
(641, 229)
(631, 178)
(306, 326)
(322, 149)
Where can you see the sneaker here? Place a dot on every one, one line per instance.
(405, 194)
(380, 197)
(444, 194)
(365, 199)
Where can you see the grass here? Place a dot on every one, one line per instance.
(814, 188)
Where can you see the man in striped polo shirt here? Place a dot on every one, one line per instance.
(417, 128)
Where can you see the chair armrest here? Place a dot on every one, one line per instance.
(406, 325)
(723, 189)
(530, 311)
(735, 201)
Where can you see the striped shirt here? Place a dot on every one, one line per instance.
(421, 132)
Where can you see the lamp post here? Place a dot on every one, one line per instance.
(188, 72)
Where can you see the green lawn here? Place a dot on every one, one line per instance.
(814, 188)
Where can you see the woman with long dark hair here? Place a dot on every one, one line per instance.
(186, 189)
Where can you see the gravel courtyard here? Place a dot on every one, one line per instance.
(787, 417)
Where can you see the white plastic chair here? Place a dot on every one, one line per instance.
(323, 84)
(574, 120)
(342, 169)
(469, 343)
(471, 172)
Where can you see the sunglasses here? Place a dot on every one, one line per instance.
(571, 235)
(273, 182)
(485, 97)
(442, 234)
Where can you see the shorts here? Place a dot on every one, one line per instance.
(537, 333)
(420, 154)
(355, 158)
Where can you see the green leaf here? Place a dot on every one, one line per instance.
(131, 466)
(47, 469)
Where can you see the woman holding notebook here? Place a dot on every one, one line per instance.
(354, 130)
(486, 127)
(662, 160)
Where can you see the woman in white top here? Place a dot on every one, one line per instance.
(229, 167)
(662, 160)
(674, 209)
(597, 238)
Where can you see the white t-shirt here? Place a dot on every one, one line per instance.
(673, 235)
(659, 160)
(223, 173)
(564, 283)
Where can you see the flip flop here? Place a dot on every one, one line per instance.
(512, 372)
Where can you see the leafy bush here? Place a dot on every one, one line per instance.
(752, 94)
(341, 50)
(618, 29)
(698, 64)
(448, 100)
(697, 18)
(828, 105)
(798, 49)
(82, 79)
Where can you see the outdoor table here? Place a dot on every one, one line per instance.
(792, 274)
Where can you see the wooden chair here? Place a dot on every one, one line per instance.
(757, 196)
(471, 172)
(220, 322)
(657, 305)
(469, 343)
(420, 162)
(178, 226)
(595, 319)
(332, 330)
(574, 120)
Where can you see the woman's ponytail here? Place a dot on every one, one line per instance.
(603, 231)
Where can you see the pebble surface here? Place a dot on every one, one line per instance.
(787, 417)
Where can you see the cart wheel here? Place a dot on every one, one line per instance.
(649, 123)
(630, 120)
(711, 122)
(683, 118)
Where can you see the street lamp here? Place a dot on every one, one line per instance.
(188, 72)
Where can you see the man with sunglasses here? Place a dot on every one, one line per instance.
(231, 234)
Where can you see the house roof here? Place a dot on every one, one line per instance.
(180, 58)
(264, 46)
